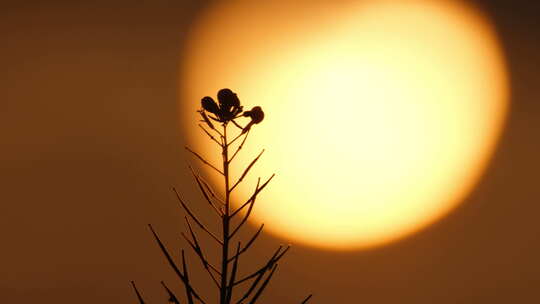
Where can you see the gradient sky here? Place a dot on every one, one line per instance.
(90, 145)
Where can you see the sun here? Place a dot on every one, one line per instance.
(381, 116)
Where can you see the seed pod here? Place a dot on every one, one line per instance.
(210, 105)
(256, 114)
(205, 118)
(228, 99)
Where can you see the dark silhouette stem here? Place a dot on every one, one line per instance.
(271, 262)
(263, 286)
(251, 241)
(139, 297)
(194, 243)
(248, 213)
(204, 160)
(239, 147)
(189, 290)
(172, 296)
(195, 218)
(307, 299)
(225, 220)
(204, 193)
(179, 273)
(230, 288)
(253, 196)
(209, 135)
(246, 171)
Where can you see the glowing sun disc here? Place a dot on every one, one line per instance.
(380, 115)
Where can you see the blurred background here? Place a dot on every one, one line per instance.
(91, 144)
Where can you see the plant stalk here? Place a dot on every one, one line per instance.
(225, 220)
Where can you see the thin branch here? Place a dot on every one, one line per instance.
(307, 299)
(207, 266)
(210, 190)
(211, 124)
(214, 118)
(234, 139)
(205, 119)
(198, 250)
(233, 274)
(274, 259)
(251, 288)
(251, 241)
(237, 125)
(247, 170)
(248, 213)
(263, 286)
(253, 196)
(189, 291)
(139, 297)
(219, 132)
(166, 253)
(173, 265)
(204, 160)
(209, 135)
(204, 193)
(195, 218)
(239, 147)
(172, 296)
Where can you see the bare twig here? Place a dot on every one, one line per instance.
(194, 243)
(209, 123)
(179, 273)
(139, 297)
(248, 213)
(204, 160)
(195, 218)
(237, 125)
(274, 259)
(233, 274)
(240, 146)
(235, 139)
(199, 251)
(205, 119)
(172, 296)
(247, 170)
(209, 135)
(189, 290)
(251, 288)
(203, 191)
(263, 286)
(251, 241)
(210, 190)
(307, 299)
(253, 196)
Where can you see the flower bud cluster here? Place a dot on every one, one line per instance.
(227, 109)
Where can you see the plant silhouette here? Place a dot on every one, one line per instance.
(217, 119)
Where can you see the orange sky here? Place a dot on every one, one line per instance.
(91, 145)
